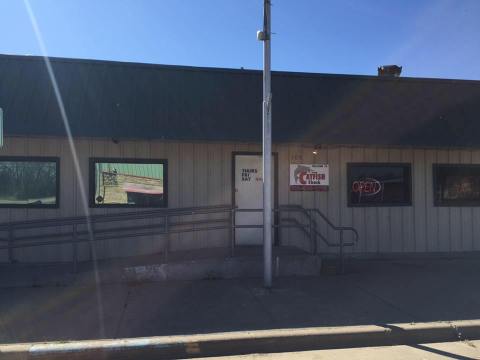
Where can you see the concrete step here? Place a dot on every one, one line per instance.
(225, 268)
(216, 263)
(332, 266)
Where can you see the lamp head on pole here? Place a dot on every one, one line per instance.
(261, 35)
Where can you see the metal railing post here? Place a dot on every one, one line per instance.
(167, 244)
(10, 244)
(75, 249)
(313, 238)
(342, 269)
(93, 239)
(232, 232)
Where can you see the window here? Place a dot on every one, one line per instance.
(376, 184)
(128, 183)
(29, 182)
(456, 185)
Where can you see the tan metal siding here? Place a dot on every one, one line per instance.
(200, 174)
(418, 240)
(476, 211)
(466, 213)
(356, 216)
(431, 212)
(384, 215)
(334, 206)
(322, 201)
(408, 212)
(371, 220)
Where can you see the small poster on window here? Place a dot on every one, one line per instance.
(309, 177)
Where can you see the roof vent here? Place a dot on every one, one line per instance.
(390, 70)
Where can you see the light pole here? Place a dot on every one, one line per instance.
(265, 36)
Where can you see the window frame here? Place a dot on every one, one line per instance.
(92, 178)
(407, 166)
(52, 159)
(438, 202)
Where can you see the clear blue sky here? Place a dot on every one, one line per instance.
(430, 38)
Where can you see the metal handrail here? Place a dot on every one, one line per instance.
(314, 233)
(335, 227)
(287, 208)
(91, 232)
(341, 229)
(327, 220)
(82, 219)
(312, 224)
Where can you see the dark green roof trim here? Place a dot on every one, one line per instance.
(127, 100)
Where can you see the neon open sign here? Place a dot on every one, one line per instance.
(367, 187)
(379, 184)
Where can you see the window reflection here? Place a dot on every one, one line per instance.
(457, 185)
(138, 183)
(28, 183)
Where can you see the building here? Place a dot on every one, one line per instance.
(396, 158)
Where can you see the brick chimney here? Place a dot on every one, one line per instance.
(390, 70)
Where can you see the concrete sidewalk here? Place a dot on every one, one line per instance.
(436, 351)
(372, 293)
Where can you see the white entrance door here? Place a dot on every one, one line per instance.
(249, 195)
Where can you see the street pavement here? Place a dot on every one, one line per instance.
(372, 292)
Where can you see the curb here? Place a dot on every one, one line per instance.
(247, 342)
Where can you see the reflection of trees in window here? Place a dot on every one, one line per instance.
(457, 185)
(109, 179)
(27, 180)
(461, 187)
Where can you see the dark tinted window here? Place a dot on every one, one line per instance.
(457, 185)
(28, 182)
(376, 184)
(129, 182)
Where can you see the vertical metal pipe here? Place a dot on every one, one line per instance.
(74, 250)
(10, 244)
(267, 148)
(313, 237)
(167, 244)
(232, 232)
(93, 241)
(342, 269)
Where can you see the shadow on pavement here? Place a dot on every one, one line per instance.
(373, 292)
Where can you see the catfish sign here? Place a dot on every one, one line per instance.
(309, 177)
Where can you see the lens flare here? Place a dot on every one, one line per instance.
(78, 172)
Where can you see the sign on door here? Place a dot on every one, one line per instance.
(249, 195)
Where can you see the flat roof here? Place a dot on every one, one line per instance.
(121, 100)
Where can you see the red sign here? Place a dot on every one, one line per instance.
(309, 177)
(367, 187)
